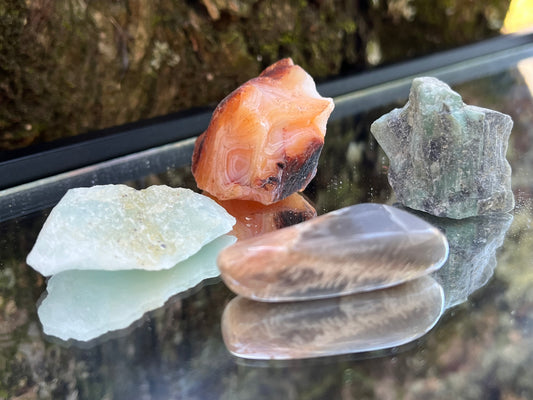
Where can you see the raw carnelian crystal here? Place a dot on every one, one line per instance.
(265, 138)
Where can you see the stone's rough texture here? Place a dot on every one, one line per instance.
(350, 324)
(354, 249)
(115, 227)
(472, 260)
(254, 218)
(447, 158)
(265, 138)
(84, 305)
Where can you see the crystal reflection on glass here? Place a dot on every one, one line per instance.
(473, 244)
(253, 218)
(350, 324)
(85, 304)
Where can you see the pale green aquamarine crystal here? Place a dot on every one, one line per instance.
(446, 158)
(115, 227)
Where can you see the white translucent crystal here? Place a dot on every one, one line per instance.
(115, 227)
(84, 305)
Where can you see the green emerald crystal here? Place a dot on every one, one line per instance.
(446, 158)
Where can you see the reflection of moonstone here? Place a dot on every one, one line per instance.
(349, 324)
(115, 227)
(446, 158)
(355, 249)
(473, 244)
(83, 305)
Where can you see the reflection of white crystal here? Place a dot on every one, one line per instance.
(83, 305)
(115, 227)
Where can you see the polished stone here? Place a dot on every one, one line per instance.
(446, 158)
(115, 227)
(349, 324)
(84, 305)
(354, 249)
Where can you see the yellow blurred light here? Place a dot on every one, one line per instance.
(519, 16)
(525, 67)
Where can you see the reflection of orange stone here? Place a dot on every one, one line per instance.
(254, 218)
(265, 138)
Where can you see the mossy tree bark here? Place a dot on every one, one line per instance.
(70, 66)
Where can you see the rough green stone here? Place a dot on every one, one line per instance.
(115, 227)
(446, 158)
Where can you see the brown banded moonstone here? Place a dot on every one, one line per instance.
(355, 249)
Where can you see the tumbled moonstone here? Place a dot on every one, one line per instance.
(446, 158)
(84, 305)
(349, 324)
(115, 227)
(354, 249)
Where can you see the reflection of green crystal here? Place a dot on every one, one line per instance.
(472, 258)
(446, 158)
(86, 304)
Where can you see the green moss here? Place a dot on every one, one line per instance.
(433, 25)
(349, 26)
(68, 68)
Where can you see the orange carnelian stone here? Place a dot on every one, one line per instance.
(265, 138)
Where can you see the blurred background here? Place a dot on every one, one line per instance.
(72, 66)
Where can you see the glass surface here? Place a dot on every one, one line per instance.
(481, 348)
